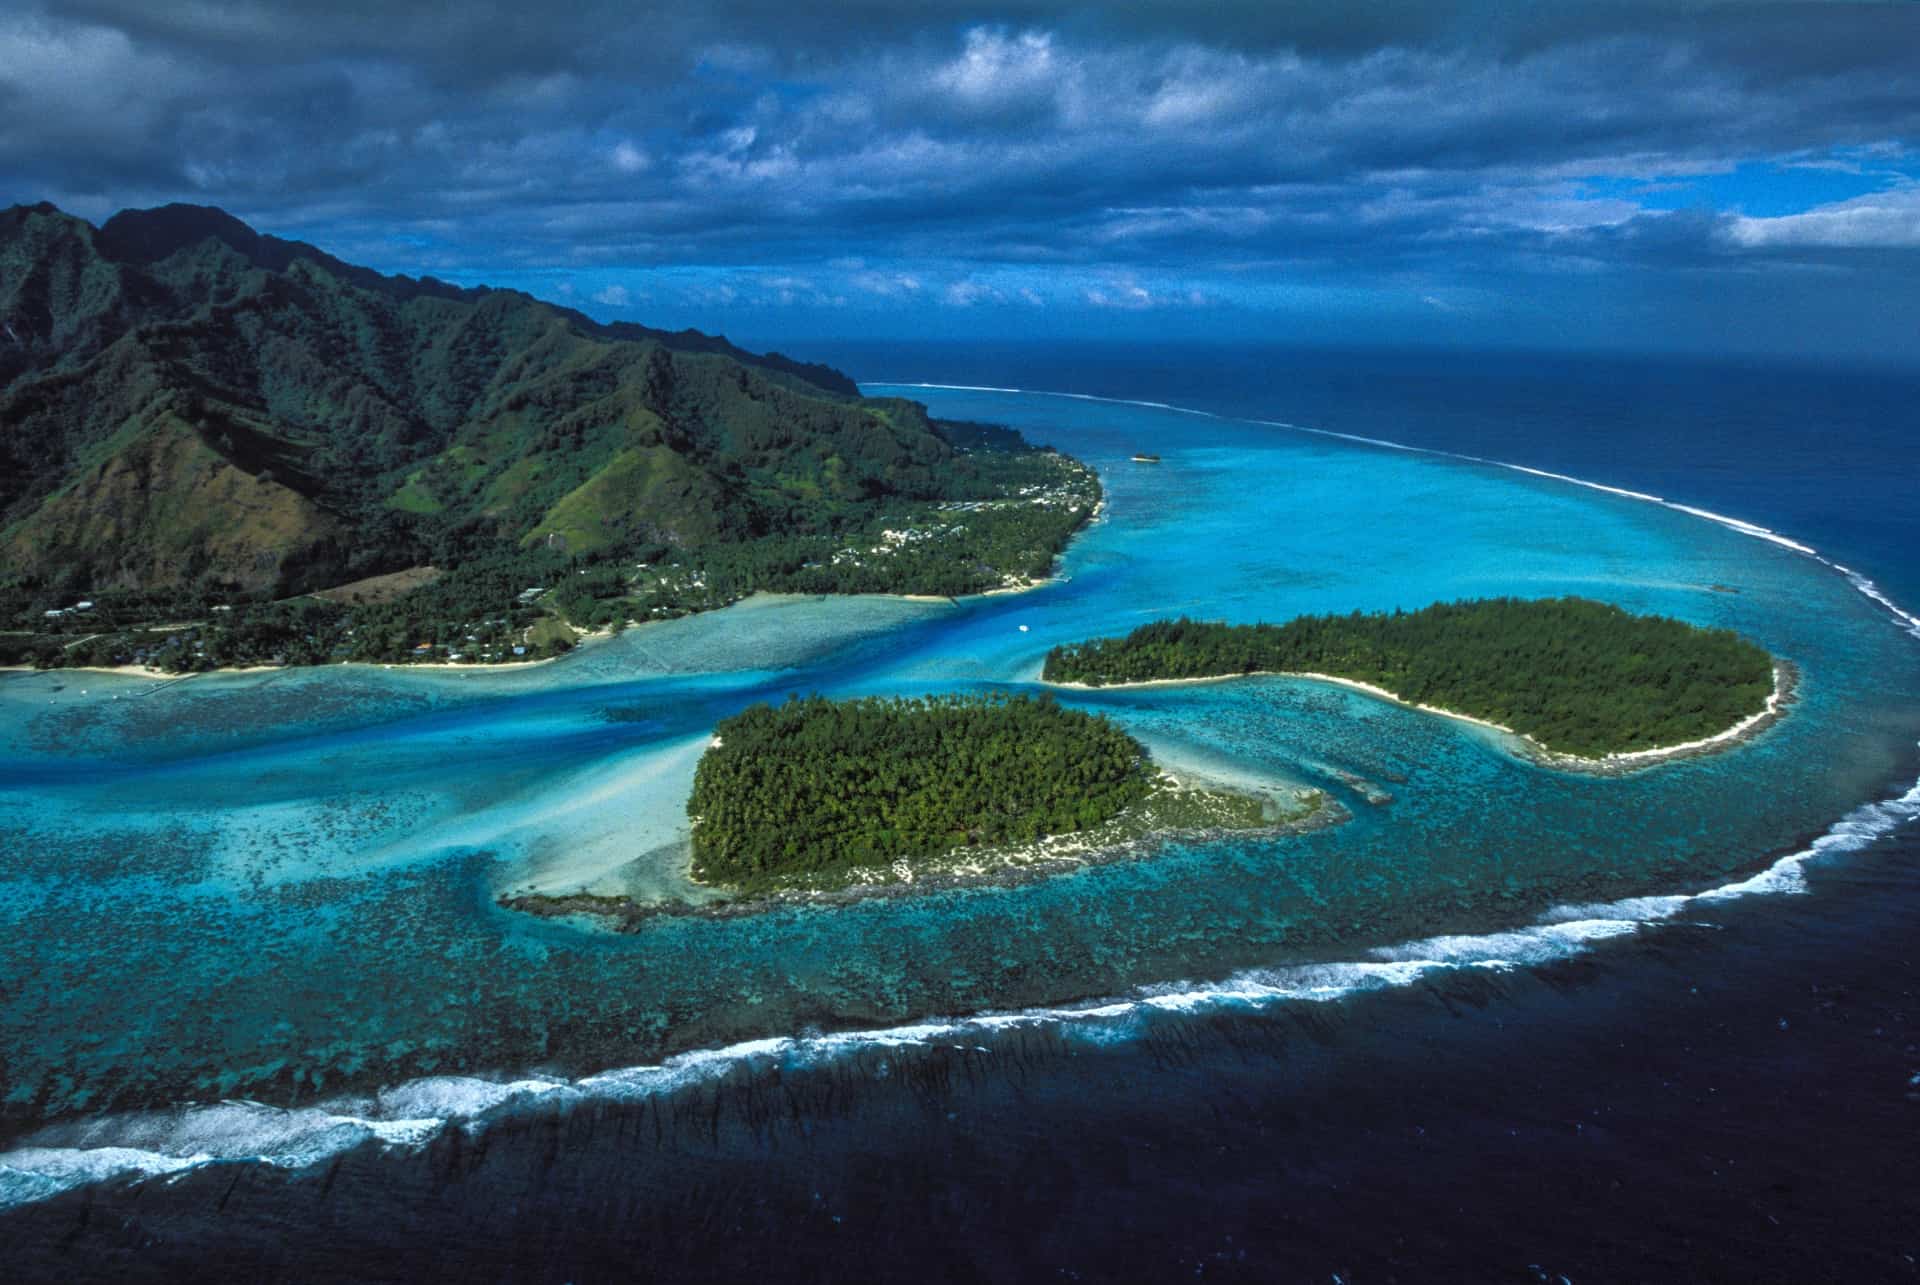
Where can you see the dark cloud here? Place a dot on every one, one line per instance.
(1399, 145)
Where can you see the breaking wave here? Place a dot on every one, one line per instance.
(173, 1141)
(1905, 619)
(161, 1143)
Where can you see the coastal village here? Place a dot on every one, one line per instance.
(976, 545)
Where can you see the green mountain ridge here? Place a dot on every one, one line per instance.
(185, 400)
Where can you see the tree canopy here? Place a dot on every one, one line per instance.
(817, 785)
(1578, 676)
(193, 415)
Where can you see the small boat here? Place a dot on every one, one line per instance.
(1146, 459)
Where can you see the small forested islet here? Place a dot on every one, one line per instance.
(816, 786)
(1579, 677)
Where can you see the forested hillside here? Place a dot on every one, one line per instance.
(193, 414)
(1578, 676)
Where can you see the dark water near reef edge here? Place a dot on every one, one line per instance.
(1830, 458)
(1732, 1096)
(1729, 1099)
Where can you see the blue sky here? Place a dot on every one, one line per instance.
(1717, 177)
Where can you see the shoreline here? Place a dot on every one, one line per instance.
(598, 635)
(495, 666)
(1005, 867)
(142, 671)
(1786, 686)
(1786, 682)
(1017, 586)
(479, 667)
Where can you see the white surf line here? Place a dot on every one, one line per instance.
(1783, 875)
(1662, 752)
(1619, 758)
(1741, 525)
(401, 1118)
(1040, 392)
(1906, 620)
(410, 1115)
(1562, 477)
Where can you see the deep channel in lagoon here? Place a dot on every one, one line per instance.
(281, 887)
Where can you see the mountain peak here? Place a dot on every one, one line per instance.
(179, 345)
(146, 236)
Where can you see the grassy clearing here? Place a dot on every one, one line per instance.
(379, 588)
(544, 632)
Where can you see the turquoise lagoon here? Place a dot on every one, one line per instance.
(277, 890)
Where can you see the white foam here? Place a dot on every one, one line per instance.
(1592, 486)
(1635, 910)
(153, 1143)
(1034, 392)
(1854, 831)
(1906, 620)
(410, 1115)
(1540, 943)
(1356, 437)
(447, 1096)
(1737, 524)
(36, 1173)
(1857, 829)
(1313, 983)
(956, 388)
(1745, 528)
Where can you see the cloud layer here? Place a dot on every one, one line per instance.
(1376, 165)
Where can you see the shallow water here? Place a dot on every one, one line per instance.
(279, 887)
(1729, 1098)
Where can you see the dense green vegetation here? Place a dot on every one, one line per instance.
(1579, 677)
(1168, 808)
(816, 786)
(475, 612)
(500, 606)
(192, 415)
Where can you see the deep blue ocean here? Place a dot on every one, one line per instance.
(1809, 451)
(262, 1019)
